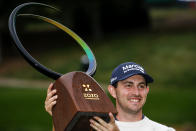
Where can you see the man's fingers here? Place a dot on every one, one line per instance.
(54, 98)
(97, 126)
(102, 122)
(50, 94)
(101, 125)
(112, 119)
(50, 88)
(49, 107)
(94, 127)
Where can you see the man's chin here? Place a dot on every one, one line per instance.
(135, 110)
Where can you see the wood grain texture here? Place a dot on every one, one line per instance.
(79, 98)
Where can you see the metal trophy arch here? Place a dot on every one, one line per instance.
(79, 96)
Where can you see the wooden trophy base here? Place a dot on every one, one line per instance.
(79, 98)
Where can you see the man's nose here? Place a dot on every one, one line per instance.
(135, 91)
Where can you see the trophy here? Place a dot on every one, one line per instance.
(80, 97)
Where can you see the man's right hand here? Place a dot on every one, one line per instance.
(50, 99)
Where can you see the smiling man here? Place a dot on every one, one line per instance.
(129, 87)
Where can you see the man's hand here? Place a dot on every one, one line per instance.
(101, 125)
(50, 99)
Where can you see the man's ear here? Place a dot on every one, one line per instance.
(147, 88)
(112, 91)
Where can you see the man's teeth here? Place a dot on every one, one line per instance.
(134, 100)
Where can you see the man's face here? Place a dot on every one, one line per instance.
(131, 94)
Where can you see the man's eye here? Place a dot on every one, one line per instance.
(141, 86)
(128, 85)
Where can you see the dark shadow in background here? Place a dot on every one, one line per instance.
(89, 19)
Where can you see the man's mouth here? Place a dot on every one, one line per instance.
(135, 100)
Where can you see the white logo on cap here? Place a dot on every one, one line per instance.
(113, 79)
(132, 67)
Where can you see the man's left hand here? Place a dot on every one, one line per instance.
(101, 125)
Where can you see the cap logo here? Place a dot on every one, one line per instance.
(132, 67)
(113, 79)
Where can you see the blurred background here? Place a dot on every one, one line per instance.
(158, 34)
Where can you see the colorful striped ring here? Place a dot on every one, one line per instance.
(54, 75)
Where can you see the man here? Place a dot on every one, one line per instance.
(129, 86)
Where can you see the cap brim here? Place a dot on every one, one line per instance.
(148, 78)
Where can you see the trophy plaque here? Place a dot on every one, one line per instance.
(80, 97)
